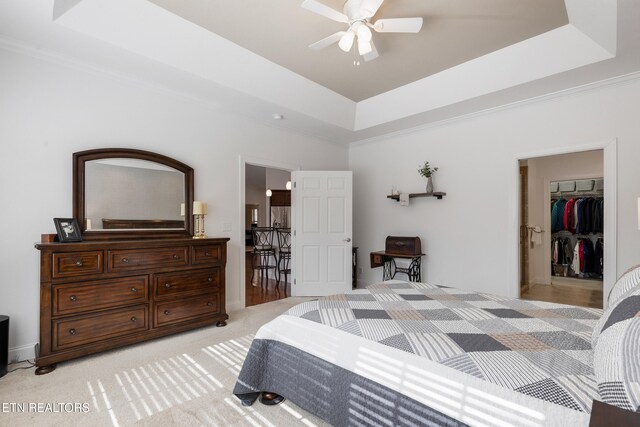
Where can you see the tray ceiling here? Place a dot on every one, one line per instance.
(454, 32)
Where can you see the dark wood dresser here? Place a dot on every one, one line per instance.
(100, 295)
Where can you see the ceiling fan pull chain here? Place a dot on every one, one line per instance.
(356, 60)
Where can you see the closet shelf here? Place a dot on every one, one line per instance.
(437, 194)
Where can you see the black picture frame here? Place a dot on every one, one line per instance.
(67, 229)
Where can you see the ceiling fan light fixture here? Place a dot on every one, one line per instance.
(364, 47)
(364, 34)
(346, 41)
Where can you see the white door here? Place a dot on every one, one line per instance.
(321, 232)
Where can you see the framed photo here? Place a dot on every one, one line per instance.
(68, 230)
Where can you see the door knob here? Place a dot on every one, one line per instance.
(348, 239)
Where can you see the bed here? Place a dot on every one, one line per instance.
(404, 353)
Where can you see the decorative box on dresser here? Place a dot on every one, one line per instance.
(100, 295)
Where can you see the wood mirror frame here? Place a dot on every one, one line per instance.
(79, 160)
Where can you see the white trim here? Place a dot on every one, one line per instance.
(613, 81)
(25, 352)
(546, 238)
(20, 47)
(255, 161)
(610, 212)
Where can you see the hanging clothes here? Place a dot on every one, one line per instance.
(575, 265)
(581, 215)
(567, 251)
(557, 213)
(599, 257)
(598, 216)
(567, 216)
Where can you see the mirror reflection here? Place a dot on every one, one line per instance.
(123, 193)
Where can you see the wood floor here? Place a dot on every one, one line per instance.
(573, 292)
(267, 291)
(256, 294)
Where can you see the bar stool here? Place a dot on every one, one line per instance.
(284, 255)
(263, 256)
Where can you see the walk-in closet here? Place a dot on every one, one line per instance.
(577, 225)
(562, 228)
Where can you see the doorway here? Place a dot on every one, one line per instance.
(562, 228)
(267, 214)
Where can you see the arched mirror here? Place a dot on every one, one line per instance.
(124, 193)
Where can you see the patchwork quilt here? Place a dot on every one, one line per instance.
(536, 348)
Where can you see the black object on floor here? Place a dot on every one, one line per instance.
(271, 399)
(4, 344)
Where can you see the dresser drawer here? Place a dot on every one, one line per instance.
(186, 282)
(170, 312)
(89, 329)
(71, 264)
(88, 296)
(139, 259)
(206, 254)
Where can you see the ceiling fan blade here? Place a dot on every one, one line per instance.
(321, 9)
(398, 25)
(370, 7)
(327, 41)
(371, 55)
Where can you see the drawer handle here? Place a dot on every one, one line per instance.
(207, 254)
(125, 260)
(175, 256)
(79, 263)
(72, 331)
(134, 290)
(210, 279)
(133, 318)
(73, 298)
(166, 312)
(167, 285)
(209, 304)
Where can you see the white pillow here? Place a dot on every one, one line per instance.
(629, 280)
(616, 356)
(627, 283)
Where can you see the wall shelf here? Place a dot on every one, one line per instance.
(437, 194)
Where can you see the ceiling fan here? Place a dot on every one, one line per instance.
(358, 14)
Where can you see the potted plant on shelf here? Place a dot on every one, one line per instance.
(427, 171)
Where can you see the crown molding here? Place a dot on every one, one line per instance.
(589, 87)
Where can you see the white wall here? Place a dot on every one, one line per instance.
(465, 234)
(49, 110)
(542, 170)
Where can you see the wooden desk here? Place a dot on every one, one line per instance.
(390, 269)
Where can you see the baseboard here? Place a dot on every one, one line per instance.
(538, 281)
(234, 306)
(362, 283)
(19, 354)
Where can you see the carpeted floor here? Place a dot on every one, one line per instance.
(183, 380)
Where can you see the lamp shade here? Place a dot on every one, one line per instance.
(346, 41)
(199, 208)
(364, 34)
(364, 48)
